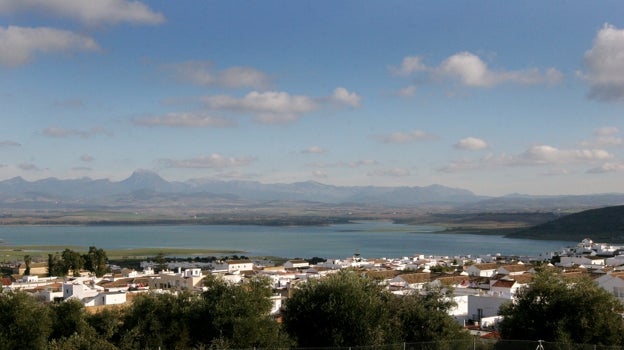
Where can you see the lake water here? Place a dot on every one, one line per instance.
(370, 239)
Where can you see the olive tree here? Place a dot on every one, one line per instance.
(563, 309)
(345, 309)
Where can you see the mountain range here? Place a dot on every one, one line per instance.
(146, 189)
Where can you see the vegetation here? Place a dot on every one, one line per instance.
(347, 309)
(601, 225)
(568, 310)
(93, 261)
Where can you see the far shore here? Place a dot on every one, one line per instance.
(40, 252)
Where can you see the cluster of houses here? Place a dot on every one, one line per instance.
(480, 285)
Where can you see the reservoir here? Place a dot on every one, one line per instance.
(372, 239)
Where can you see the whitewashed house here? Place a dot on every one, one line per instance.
(410, 280)
(77, 289)
(613, 282)
(105, 298)
(239, 265)
(296, 264)
(482, 270)
(183, 280)
(512, 270)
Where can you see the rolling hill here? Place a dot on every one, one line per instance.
(601, 225)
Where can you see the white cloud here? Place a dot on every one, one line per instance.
(88, 12)
(358, 163)
(269, 107)
(470, 70)
(213, 161)
(342, 96)
(556, 172)
(394, 172)
(607, 168)
(541, 155)
(406, 137)
(344, 164)
(605, 137)
(28, 167)
(202, 73)
(184, 120)
(9, 143)
(463, 165)
(604, 64)
(471, 144)
(409, 65)
(407, 91)
(607, 131)
(57, 132)
(314, 150)
(544, 154)
(320, 174)
(18, 45)
(86, 158)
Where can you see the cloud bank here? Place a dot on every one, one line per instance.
(88, 12)
(19, 45)
(604, 64)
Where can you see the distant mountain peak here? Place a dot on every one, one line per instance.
(143, 178)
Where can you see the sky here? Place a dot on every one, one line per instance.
(495, 97)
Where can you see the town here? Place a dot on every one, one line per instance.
(479, 285)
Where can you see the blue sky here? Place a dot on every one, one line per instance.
(494, 97)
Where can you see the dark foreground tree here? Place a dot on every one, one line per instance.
(237, 316)
(347, 309)
(156, 321)
(559, 309)
(423, 317)
(26, 322)
(343, 310)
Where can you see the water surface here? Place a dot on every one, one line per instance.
(370, 238)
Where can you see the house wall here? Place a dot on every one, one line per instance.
(78, 290)
(240, 267)
(488, 305)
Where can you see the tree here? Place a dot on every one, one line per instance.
(158, 321)
(237, 315)
(72, 261)
(347, 309)
(161, 263)
(27, 261)
(26, 322)
(344, 309)
(68, 318)
(563, 309)
(95, 261)
(423, 317)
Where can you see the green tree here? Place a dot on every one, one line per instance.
(26, 322)
(237, 315)
(344, 309)
(27, 261)
(161, 262)
(423, 317)
(95, 261)
(560, 309)
(68, 318)
(107, 323)
(158, 321)
(72, 261)
(56, 265)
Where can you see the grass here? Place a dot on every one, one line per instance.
(40, 253)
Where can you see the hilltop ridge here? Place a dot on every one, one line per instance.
(602, 225)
